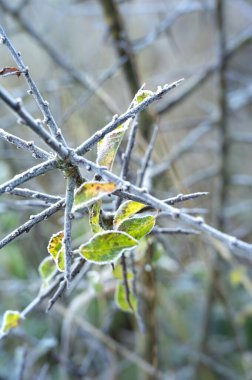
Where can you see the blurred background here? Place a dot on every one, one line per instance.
(89, 58)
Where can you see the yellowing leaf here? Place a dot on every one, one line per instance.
(121, 299)
(89, 192)
(94, 217)
(106, 246)
(57, 251)
(47, 269)
(138, 226)
(108, 146)
(11, 319)
(126, 210)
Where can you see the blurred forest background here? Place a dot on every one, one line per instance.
(88, 58)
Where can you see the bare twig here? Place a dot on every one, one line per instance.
(147, 157)
(45, 293)
(36, 126)
(130, 145)
(78, 76)
(182, 147)
(62, 284)
(130, 113)
(20, 205)
(173, 231)
(233, 47)
(35, 171)
(127, 155)
(43, 105)
(71, 182)
(117, 347)
(34, 219)
(27, 193)
(26, 145)
(198, 222)
(184, 197)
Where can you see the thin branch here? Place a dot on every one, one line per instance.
(36, 126)
(78, 76)
(81, 101)
(147, 157)
(130, 113)
(27, 193)
(117, 347)
(184, 197)
(43, 105)
(86, 146)
(122, 43)
(181, 148)
(200, 175)
(130, 145)
(233, 47)
(62, 284)
(164, 25)
(174, 231)
(127, 155)
(34, 219)
(45, 293)
(68, 217)
(21, 205)
(25, 176)
(26, 145)
(198, 222)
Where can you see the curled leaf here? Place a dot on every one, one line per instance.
(57, 250)
(126, 210)
(90, 192)
(7, 71)
(11, 319)
(105, 247)
(138, 226)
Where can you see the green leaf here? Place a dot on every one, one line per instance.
(138, 226)
(90, 192)
(57, 251)
(121, 299)
(11, 319)
(47, 269)
(94, 217)
(108, 146)
(106, 246)
(126, 210)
